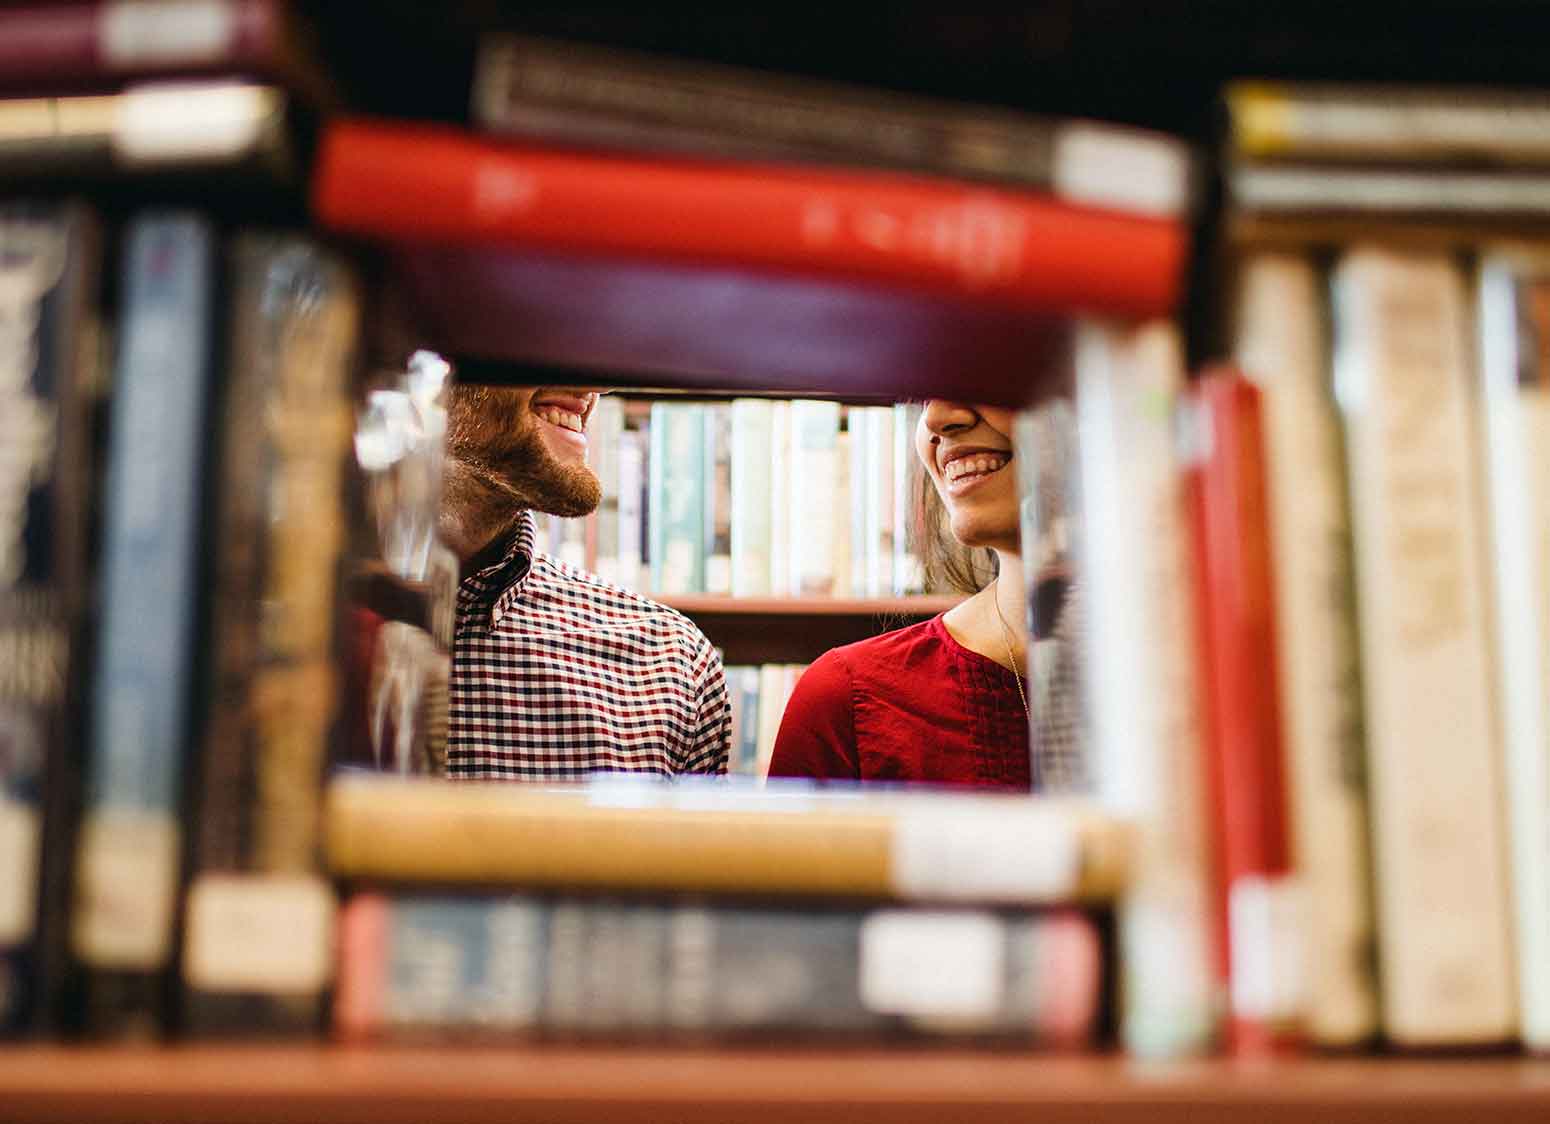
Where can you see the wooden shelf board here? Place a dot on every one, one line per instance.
(755, 630)
(422, 1085)
(706, 604)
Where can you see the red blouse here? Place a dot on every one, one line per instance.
(910, 705)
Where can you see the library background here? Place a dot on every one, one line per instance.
(1275, 842)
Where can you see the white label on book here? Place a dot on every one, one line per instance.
(126, 886)
(184, 121)
(135, 33)
(259, 932)
(932, 963)
(986, 854)
(1108, 168)
(1268, 969)
(20, 827)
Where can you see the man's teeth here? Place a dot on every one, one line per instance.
(561, 418)
(976, 465)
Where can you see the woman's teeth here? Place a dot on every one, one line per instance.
(560, 418)
(975, 466)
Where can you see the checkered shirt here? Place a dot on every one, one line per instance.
(557, 674)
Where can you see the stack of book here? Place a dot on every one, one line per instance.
(175, 429)
(633, 909)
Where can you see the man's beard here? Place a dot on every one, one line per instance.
(496, 441)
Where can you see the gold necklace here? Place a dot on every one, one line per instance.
(1006, 638)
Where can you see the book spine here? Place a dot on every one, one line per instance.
(618, 99)
(1514, 302)
(632, 527)
(858, 491)
(603, 453)
(1258, 901)
(1148, 749)
(677, 504)
(908, 576)
(842, 509)
(54, 41)
(782, 580)
(258, 920)
(129, 864)
(1012, 250)
(1331, 122)
(815, 428)
(746, 745)
(1318, 190)
(718, 498)
(753, 422)
(48, 295)
(1403, 377)
(518, 966)
(980, 848)
(1281, 345)
(880, 501)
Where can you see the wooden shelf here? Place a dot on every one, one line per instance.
(568, 1085)
(752, 630)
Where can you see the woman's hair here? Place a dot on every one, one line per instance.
(946, 562)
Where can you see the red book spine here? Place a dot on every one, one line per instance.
(1258, 923)
(54, 43)
(1018, 249)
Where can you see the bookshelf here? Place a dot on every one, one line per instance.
(798, 629)
(573, 1085)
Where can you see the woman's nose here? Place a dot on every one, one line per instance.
(941, 416)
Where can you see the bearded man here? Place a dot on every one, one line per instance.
(555, 673)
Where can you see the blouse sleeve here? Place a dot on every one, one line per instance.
(817, 735)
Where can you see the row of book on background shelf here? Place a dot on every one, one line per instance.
(754, 497)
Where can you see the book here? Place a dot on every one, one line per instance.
(508, 965)
(1281, 344)
(1018, 250)
(1390, 194)
(584, 95)
(257, 933)
(718, 497)
(49, 263)
(677, 497)
(1382, 124)
(632, 514)
(814, 464)
(1514, 330)
(100, 43)
(234, 127)
(129, 854)
(752, 455)
(880, 524)
(604, 455)
(1148, 753)
(1257, 903)
(1403, 381)
(718, 837)
(909, 477)
(775, 332)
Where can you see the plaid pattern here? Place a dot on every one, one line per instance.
(557, 674)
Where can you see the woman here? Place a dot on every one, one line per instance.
(941, 701)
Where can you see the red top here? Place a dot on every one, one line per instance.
(910, 705)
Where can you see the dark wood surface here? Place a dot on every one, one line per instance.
(336, 1085)
(753, 630)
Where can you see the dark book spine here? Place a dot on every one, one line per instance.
(129, 861)
(49, 257)
(580, 967)
(259, 917)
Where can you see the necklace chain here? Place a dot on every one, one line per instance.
(1006, 638)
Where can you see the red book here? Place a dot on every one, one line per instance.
(1258, 921)
(1014, 249)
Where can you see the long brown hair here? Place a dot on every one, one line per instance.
(949, 566)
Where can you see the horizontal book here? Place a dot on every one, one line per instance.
(584, 95)
(1014, 249)
(66, 45)
(1399, 193)
(773, 331)
(173, 126)
(1387, 124)
(509, 965)
(723, 837)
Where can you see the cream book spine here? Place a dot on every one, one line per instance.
(1280, 343)
(1403, 379)
(1514, 296)
(1147, 734)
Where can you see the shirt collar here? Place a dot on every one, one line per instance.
(490, 588)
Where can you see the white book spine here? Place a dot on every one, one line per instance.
(858, 476)
(880, 504)
(1280, 344)
(841, 508)
(908, 577)
(632, 482)
(815, 430)
(781, 584)
(753, 422)
(1148, 747)
(603, 451)
(1402, 377)
(1515, 376)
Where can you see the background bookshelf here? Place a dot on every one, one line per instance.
(567, 1085)
(798, 629)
